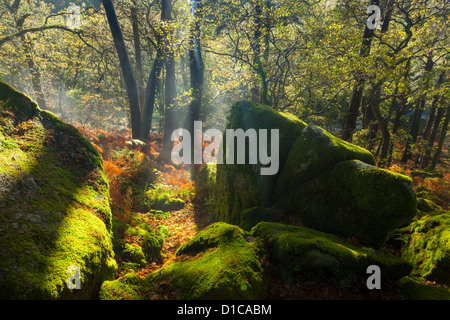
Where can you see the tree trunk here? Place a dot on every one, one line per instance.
(415, 125)
(170, 85)
(427, 131)
(432, 138)
(130, 82)
(197, 77)
(261, 94)
(138, 54)
(150, 94)
(437, 154)
(355, 102)
(382, 125)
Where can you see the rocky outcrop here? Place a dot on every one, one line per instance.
(329, 184)
(54, 204)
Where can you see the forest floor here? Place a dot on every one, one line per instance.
(124, 161)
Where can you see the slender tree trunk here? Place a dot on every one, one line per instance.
(170, 84)
(415, 125)
(432, 138)
(427, 131)
(138, 54)
(260, 94)
(382, 125)
(437, 154)
(35, 76)
(130, 82)
(150, 94)
(355, 102)
(197, 79)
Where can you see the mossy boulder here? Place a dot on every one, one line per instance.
(252, 216)
(428, 247)
(136, 243)
(413, 290)
(54, 204)
(125, 288)
(218, 263)
(354, 200)
(239, 187)
(313, 153)
(304, 251)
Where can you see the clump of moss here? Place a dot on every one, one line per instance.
(217, 264)
(428, 247)
(164, 199)
(125, 288)
(135, 242)
(307, 252)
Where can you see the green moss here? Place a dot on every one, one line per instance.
(413, 290)
(205, 184)
(223, 264)
(313, 153)
(55, 206)
(239, 187)
(217, 264)
(354, 199)
(148, 239)
(428, 247)
(133, 253)
(299, 250)
(125, 288)
(164, 198)
(252, 216)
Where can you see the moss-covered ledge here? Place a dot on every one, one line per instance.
(307, 252)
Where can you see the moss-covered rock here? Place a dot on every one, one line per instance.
(205, 183)
(314, 152)
(54, 201)
(354, 199)
(252, 216)
(413, 290)
(218, 263)
(428, 247)
(125, 288)
(307, 252)
(239, 187)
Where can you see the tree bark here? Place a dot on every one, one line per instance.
(437, 154)
(170, 84)
(355, 102)
(138, 54)
(197, 77)
(150, 94)
(127, 71)
(415, 125)
(432, 138)
(261, 94)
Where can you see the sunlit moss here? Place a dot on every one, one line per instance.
(55, 206)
